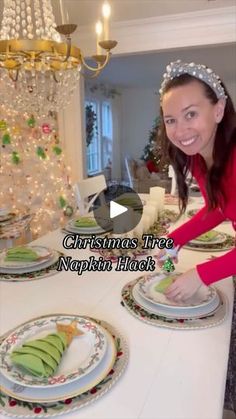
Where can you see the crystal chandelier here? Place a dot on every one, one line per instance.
(39, 67)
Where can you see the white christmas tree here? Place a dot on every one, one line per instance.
(33, 175)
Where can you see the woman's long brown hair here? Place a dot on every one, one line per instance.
(225, 141)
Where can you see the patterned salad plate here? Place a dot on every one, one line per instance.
(71, 227)
(217, 239)
(205, 297)
(171, 312)
(83, 355)
(68, 390)
(47, 257)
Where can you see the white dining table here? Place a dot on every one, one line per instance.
(171, 374)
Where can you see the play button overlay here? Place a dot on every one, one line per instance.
(116, 209)
(122, 210)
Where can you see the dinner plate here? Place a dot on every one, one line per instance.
(81, 357)
(146, 287)
(77, 230)
(171, 312)
(44, 254)
(27, 269)
(77, 387)
(218, 239)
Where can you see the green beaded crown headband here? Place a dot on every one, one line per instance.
(199, 71)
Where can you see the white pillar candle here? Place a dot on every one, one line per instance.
(158, 194)
(146, 220)
(138, 231)
(154, 205)
(151, 211)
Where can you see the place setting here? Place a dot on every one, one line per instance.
(145, 299)
(26, 263)
(87, 225)
(211, 241)
(58, 363)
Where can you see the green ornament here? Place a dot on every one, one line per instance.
(6, 139)
(15, 157)
(40, 152)
(68, 211)
(57, 150)
(3, 125)
(31, 122)
(168, 265)
(62, 202)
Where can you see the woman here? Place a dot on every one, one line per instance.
(198, 120)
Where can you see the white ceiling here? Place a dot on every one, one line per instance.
(87, 12)
(145, 70)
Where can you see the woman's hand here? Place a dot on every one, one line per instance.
(184, 286)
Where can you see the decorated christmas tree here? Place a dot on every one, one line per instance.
(33, 174)
(155, 152)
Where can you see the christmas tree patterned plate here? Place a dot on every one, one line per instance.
(212, 319)
(31, 269)
(171, 313)
(147, 284)
(82, 356)
(44, 254)
(77, 387)
(13, 407)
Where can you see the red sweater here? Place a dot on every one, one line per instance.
(222, 266)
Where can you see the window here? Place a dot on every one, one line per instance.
(99, 152)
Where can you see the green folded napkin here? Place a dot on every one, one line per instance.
(210, 235)
(41, 357)
(164, 284)
(86, 222)
(127, 201)
(24, 254)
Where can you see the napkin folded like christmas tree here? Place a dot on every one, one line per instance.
(25, 254)
(165, 283)
(210, 235)
(41, 357)
(86, 222)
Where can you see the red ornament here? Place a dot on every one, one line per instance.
(46, 128)
(151, 166)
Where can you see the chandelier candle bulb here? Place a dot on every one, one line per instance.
(99, 30)
(106, 12)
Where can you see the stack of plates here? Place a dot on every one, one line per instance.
(203, 303)
(71, 227)
(85, 363)
(210, 241)
(46, 258)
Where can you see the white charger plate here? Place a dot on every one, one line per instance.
(43, 252)
(146, 287)
(172, 313)
(77, 387)
(83, 355)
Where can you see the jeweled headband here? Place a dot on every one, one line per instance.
(199, 71)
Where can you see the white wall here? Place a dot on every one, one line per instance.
(139, 109)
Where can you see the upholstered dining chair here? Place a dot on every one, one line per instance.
(87, 190)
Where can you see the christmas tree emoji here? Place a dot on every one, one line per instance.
(41, 357)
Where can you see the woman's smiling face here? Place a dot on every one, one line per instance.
(191, 119)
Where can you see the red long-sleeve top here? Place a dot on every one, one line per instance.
(223, 266)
